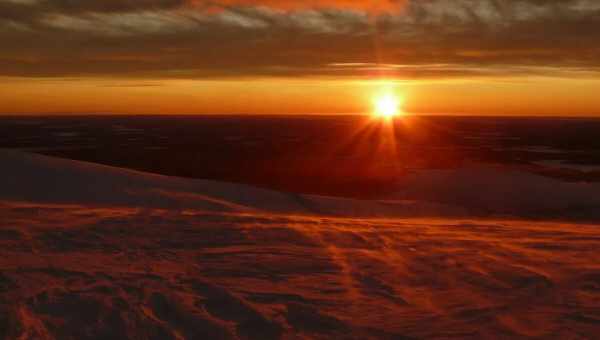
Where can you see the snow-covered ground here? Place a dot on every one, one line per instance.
(94, 252)
(465, 192)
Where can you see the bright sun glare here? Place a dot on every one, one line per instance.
(387, 106)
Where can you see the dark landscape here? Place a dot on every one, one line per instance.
(325, 155)
(96, 252)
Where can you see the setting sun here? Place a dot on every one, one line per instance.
(387, 106)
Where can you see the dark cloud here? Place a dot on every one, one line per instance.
(418, 38)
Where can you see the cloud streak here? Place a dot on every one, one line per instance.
(237, 38)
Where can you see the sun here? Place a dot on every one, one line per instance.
(387, 106)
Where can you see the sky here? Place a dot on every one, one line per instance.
(474, 57)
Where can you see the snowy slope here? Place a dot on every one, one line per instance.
(478, 191)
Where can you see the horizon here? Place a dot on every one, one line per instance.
(406, 115)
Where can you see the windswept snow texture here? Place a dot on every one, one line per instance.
(92, 252)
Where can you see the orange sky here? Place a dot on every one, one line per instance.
(475, 57)
(540, 96)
